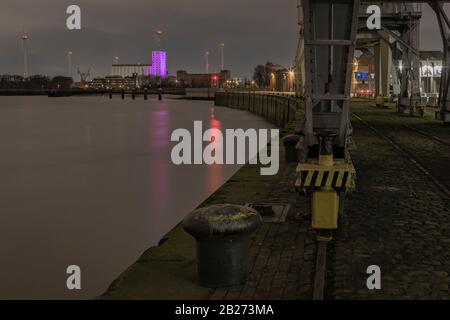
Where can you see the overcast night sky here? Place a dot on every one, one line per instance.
(254, 31)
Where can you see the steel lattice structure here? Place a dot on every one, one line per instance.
(328, 31)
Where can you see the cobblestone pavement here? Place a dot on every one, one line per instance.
(426, 140)
(398, 218)
(282, 254)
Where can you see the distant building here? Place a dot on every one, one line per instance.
(129, 70)
(34, 82)
(113, 82)
(203, 80)
(280, 78)
(363, 80)
(96, 83)
(238, 81)
(363, 76)
(61, 83)
(159, 64)
(158, 67)
(430, 73)
(11, 78)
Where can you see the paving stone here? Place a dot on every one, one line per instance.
(398, 218)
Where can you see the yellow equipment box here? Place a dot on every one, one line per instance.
(325, 210)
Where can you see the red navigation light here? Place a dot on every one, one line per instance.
(215, 78)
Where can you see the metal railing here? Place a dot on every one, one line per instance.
(278, 108)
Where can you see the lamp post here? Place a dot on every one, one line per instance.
(291, 80)
(272, 81)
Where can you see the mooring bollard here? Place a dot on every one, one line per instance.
(223, 234)
(133, 94)
(159, 94)
(145, 94)
(290, 143)
(122, 93)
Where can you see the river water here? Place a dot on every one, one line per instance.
(88, 181)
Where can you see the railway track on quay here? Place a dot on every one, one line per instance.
(426, 134)
(322, 247)
(408, 154)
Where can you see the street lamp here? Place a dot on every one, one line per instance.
(272, 80)
(291, 80)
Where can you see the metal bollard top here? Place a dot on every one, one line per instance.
(222, 220)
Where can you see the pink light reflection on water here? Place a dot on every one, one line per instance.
(159, 132)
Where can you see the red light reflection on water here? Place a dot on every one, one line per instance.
(215, 171)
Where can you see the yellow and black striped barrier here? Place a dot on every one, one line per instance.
(326, 181)
(340, 176)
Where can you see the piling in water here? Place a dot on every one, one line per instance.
(160, 94)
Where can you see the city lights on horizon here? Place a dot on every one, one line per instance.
(158, 58)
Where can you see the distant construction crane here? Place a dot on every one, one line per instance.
(25, 39)
(84, 76)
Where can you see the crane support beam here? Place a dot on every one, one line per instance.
(328, 32)
(330, 29)
(444, 27)
(405, 44)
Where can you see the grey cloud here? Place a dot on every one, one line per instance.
(254, 31)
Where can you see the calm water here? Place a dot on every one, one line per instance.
(89, 181)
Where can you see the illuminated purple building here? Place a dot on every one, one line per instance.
(159, 64)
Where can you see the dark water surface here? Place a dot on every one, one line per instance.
(89, 181)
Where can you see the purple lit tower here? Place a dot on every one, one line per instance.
(159, 64)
